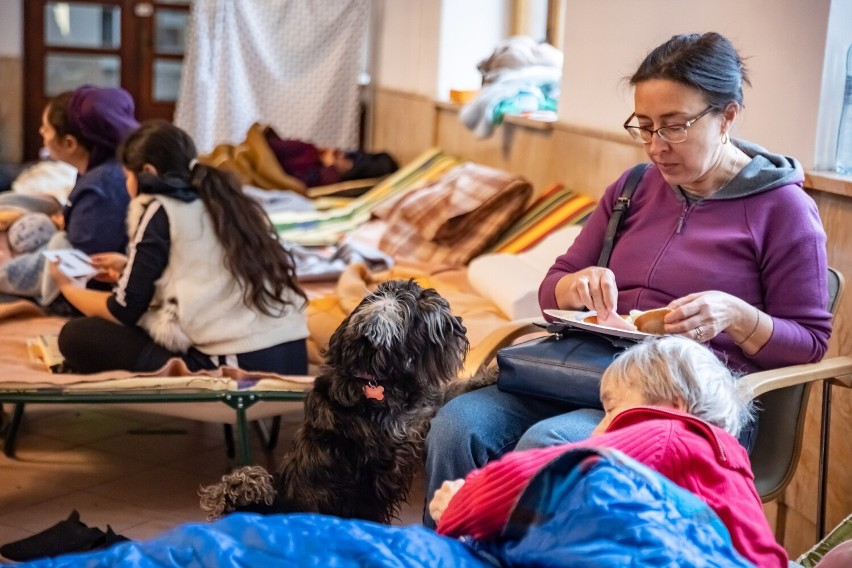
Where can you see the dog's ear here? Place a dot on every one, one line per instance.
(243, 486)
(333, 353)
(444, 336)
(318, 411)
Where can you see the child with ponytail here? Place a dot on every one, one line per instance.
(205, 277)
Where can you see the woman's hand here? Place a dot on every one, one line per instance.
(442, 498)
(593, 287)
(110, 265)
(704, 315)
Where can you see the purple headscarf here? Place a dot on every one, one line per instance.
(101, 117)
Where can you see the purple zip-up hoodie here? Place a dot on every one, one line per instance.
(760, 238)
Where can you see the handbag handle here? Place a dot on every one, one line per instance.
(619, 210)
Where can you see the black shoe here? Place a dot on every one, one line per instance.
(64, 537)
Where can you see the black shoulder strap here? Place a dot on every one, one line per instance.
(619, 210)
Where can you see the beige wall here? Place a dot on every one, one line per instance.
(793, 50)
(588, 160)
(784, 41)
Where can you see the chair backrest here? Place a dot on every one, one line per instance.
(782, 421)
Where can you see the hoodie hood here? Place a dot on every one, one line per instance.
(765, 171)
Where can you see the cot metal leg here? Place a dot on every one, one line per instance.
(11, 438)
(244, 456)
(240, 403)
(270, 434)
(229, 441)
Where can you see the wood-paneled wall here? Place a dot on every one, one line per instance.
(589, 161)
(11, 109)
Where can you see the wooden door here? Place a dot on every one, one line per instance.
(134, 44)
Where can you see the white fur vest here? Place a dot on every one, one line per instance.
(197, 301)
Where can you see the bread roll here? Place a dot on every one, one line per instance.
(651, 321)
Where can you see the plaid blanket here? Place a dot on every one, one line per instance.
(455, 218)
(327, 227)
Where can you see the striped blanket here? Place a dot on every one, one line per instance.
(556, 208)
(326, 227)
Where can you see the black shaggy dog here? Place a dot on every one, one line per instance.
(367, 416)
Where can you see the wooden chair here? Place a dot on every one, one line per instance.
(782, 399)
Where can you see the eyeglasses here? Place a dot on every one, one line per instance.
(673, 133)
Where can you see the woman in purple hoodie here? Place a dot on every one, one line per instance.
(719, 230)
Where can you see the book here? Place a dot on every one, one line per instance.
(72, 262)
(576, 319)
(44, 349)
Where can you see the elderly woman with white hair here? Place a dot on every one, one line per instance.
(670, 404)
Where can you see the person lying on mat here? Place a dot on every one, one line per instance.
(719, 230)
(671, 405)
(316, 165)
(205, 277)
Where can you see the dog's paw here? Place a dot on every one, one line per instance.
(484, 376)
(243, 486)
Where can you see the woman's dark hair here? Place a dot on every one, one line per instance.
(708, 63)
(57, 114)
(253, 253)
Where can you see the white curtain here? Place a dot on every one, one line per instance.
(289, 64)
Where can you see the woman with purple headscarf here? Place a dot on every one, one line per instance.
(83, 128)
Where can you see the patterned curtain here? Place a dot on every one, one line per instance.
(289, 64)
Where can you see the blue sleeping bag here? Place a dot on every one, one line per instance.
(599, 508)
(587, 508)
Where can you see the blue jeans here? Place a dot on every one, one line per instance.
(480, 426)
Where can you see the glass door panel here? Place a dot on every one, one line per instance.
(166, 80)
(165, 62)
(170, 31)
(67, 72)
(69, 24)
(134, 44)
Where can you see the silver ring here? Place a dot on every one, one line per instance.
(700, 330)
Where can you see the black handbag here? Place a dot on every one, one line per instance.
(567, 365)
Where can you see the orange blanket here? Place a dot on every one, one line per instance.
(326, 313)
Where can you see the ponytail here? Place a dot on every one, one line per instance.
(253, 253)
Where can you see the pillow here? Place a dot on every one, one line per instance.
(556, 208)
(511, 281)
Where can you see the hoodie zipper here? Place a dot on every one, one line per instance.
(688, 206)
(682, 218)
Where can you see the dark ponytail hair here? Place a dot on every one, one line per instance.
(253, 253)
(708, 63)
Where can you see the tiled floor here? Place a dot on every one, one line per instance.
(134, 470)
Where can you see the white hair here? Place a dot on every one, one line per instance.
(672, 368)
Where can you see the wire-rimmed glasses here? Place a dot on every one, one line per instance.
(672, 133)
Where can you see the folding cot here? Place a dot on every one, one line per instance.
(172, 390)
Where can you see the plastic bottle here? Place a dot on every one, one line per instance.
(843, 161)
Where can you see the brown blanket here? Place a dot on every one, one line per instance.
(253, 162)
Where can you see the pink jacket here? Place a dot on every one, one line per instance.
(695, 455)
